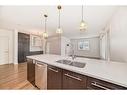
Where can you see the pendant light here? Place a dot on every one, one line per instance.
(59, 29)
(83, 24)
(45, 34)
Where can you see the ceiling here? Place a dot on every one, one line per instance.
(31, 19)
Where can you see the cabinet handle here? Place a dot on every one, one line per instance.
(41, 65)
(53, 70)
(38, 65)
(100, 86)
(76, 78)
(34, 62)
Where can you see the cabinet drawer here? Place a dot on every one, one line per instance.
(97, 84)
(54, 77)
(73, 80)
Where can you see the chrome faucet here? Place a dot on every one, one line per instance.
(73, 52)
(73, 55)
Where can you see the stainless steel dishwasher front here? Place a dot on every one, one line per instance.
(41, 75)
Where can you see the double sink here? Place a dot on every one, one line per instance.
(72, 63)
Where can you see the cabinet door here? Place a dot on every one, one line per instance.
(73, 80)
(97, 84)
(54, 77)
(23, 47)
(31, 71)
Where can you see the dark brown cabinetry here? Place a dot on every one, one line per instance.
(97, 84)
(54, 78)
(23, 47)
(73, 80)
(31, 71)
(63, 79)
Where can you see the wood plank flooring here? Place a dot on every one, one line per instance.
(14, 77)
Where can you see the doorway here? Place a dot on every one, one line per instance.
(4, 50)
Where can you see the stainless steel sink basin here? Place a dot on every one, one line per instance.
(78, 64)
(64, 61)
(72, 63)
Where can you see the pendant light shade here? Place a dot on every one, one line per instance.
(45, 34)
(83, 24)
(59, 29)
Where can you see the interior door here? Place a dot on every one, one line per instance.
(4, 50)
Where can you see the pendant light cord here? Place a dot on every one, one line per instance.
(45, 24)
(82, 12)
(59, 18)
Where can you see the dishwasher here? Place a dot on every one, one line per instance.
(41, 75)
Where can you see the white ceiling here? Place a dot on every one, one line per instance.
(30, 18)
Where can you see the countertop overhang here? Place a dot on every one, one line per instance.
(113, 72)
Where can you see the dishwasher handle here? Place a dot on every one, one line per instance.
(41, 65)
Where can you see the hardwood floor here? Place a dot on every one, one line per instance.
(14, 77)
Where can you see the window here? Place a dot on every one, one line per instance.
(83, 45)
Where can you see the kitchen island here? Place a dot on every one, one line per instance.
(97, 74)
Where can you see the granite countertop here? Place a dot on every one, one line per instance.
(113, 72)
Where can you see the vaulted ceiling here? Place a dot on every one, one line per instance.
(31, 19)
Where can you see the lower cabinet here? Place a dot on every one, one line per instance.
(54, 77)
(63, 79)
(73, 80)
(97, 84)
(31, 71)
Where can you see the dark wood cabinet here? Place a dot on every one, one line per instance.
(58, 78)
(97, 84)
(73, 80)
(54, 77)
(23, 47)
(31, 71)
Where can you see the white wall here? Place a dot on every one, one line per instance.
(54, 43)
(94, 45)
(64, 49)
(103, 46)
(15, 57)
(36, 48)
(9, 34)
(57, 45)
(118, 36)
